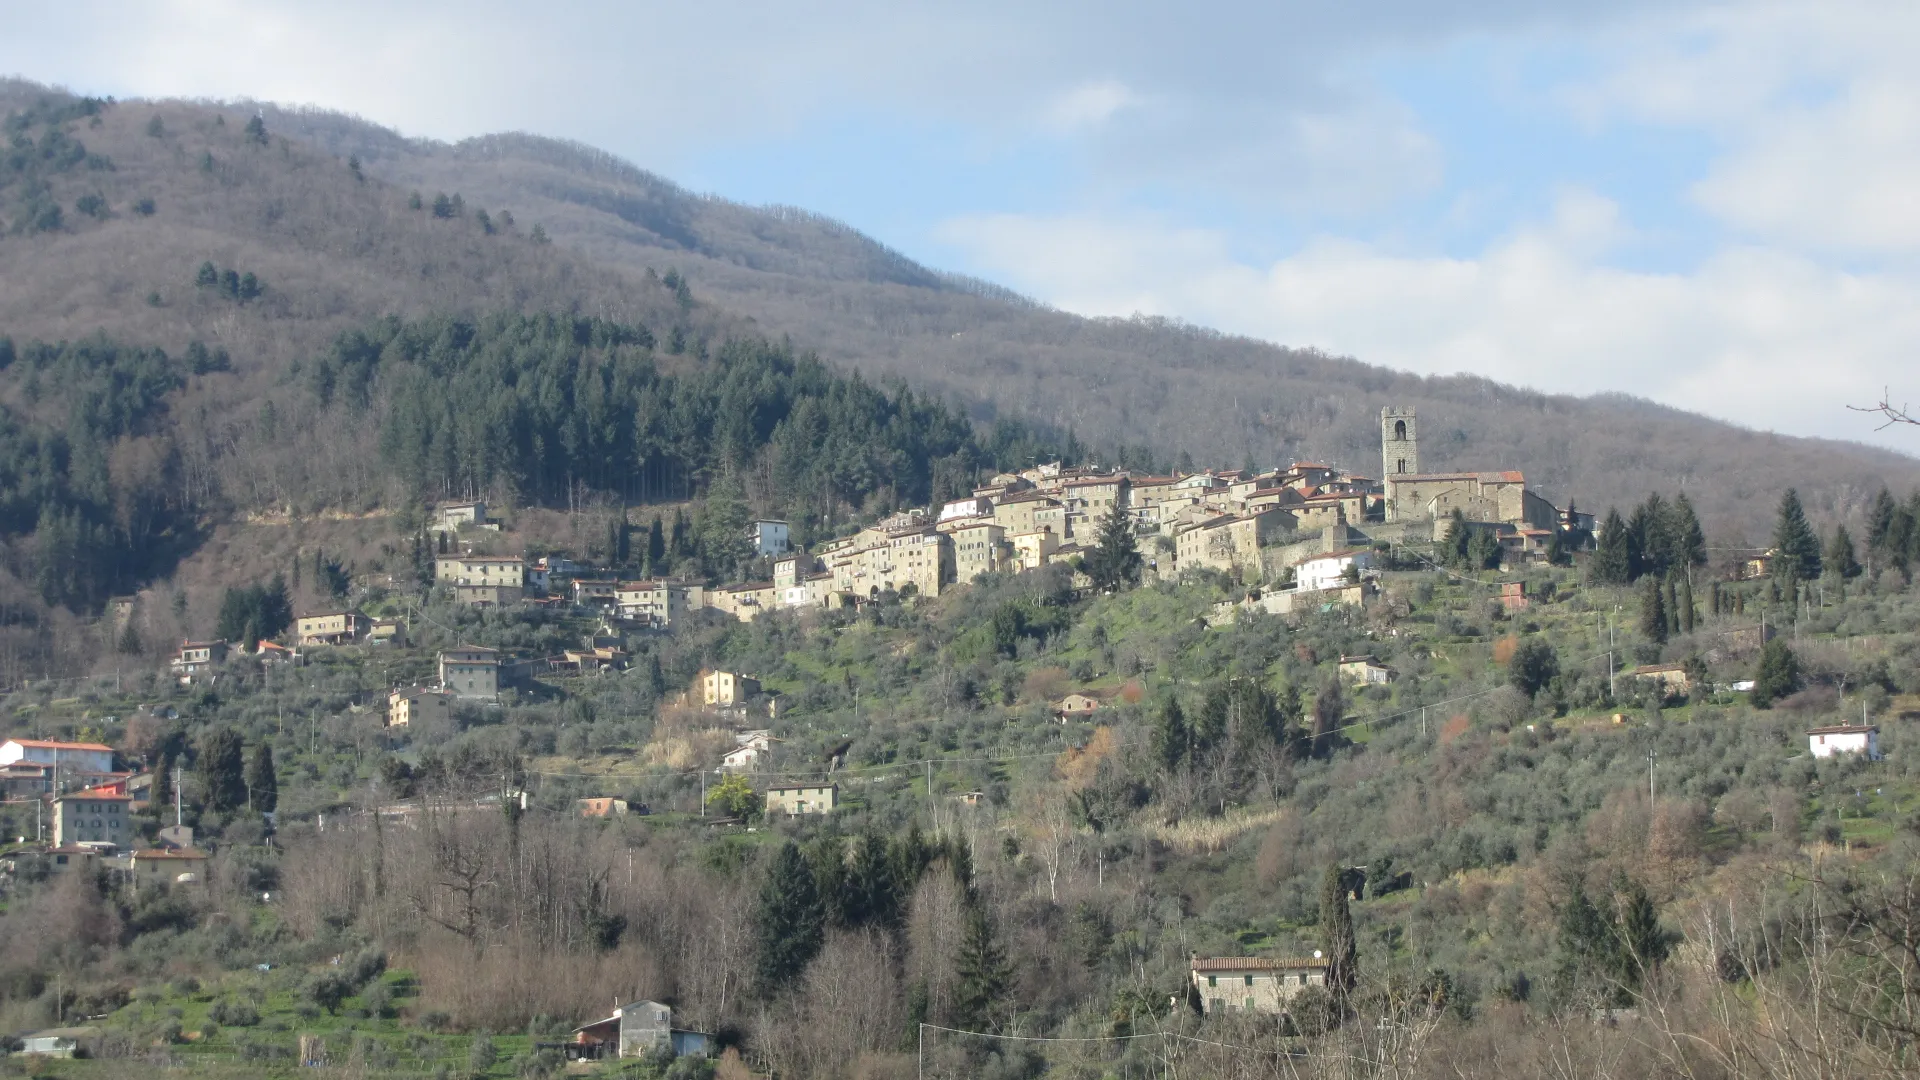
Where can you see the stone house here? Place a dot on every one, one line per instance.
(1034, 548)
(471, 671)
(1029, 510)
(1479, 496)
(1672, 678)
(1076, 705)
(797, 799)
(1253, 984)
(1364, 671)
(453, 516)
(979, 548)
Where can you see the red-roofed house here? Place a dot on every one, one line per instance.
(82, 757)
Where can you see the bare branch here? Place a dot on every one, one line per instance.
(1893, 414)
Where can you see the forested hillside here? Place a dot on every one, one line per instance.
(1117, 383)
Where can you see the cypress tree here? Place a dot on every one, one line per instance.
(789, 921)
(1172, 739)
(1880, 523)
(1687, 614)
(985, 977)
(263, 784)
(656, 546)
(1840, 559)
(1796, 548)
(1688, 541)
(221, 767)
(1336, 931)
(1653, 612)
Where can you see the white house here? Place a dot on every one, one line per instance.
(1330, 570)
(748, 746)
(769, 537)
(82, 757)
(1844, 739)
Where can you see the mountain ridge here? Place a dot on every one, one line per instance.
(1139, 388)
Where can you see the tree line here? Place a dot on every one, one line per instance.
(547, 406)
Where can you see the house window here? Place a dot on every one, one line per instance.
(1249, 1005)
(1249, 980)
(1213, 980)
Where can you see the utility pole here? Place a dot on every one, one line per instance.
(179, 817)
(1652, 755)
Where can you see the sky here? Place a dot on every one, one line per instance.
(1712, 205)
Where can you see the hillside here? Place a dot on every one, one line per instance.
(1117, 383)
(338, 248)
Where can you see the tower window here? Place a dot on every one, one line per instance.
(1400, 430)
(1402, 465)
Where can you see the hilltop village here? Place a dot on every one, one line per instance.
(1308, 527)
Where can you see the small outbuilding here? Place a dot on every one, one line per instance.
(1844, 739)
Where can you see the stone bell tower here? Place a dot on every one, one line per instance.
(1399, 445)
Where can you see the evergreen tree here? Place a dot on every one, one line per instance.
(1172, 739)
(1688, 542)
(1612, 561)
(1685, 599)
(790, 919)
(161, 798)
(1648, 541)
(1653, 612)
(1880, 524)
(221, 769)
(985, 976)
(1336, 932)
(1840, 559)
(1533, 666)
(129, 643)
(1644, 945)
(1796, 548)
(1778, 675)
(1587, 947)
(827, 858)
(1114, 560)
(263, 784)
(256, 131)
(1672, 603)
(656, 547)
(875, 893)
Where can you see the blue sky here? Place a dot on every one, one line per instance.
(1708, 204)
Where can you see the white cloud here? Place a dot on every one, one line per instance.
(1090, 104)
(1762, 338)
(1816, 108)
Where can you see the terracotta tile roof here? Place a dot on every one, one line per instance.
(50, 745)
(1254, 963)
(1843, 729)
